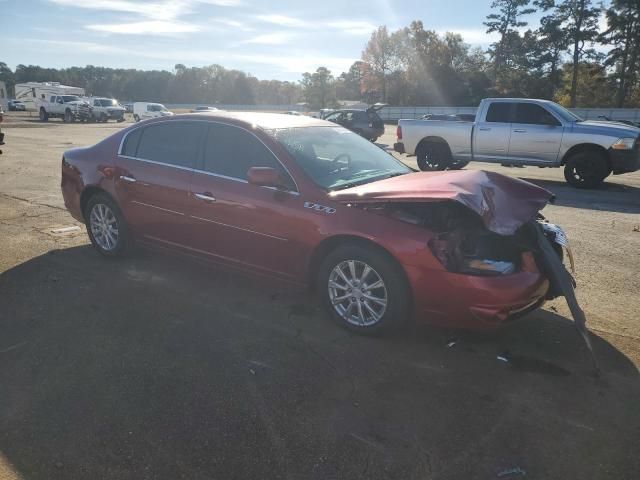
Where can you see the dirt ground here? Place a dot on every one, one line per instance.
(156, 367)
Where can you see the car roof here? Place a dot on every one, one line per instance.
(265, 121)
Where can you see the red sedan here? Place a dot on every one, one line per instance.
(311, 202)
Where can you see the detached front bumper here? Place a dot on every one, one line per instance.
(625, 161)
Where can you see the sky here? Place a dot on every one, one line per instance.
(276, 39)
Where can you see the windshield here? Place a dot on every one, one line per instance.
(108, 102)
(566, 115)
(156, 107)
(70, 98)
(336, 158)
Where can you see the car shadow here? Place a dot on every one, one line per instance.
(612, 197)
(156, 367)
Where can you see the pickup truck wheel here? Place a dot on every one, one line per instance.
(586, 169)
(44, 116)
(433, 156)
(458, 165)
(67, 116)
(103, 118)
(136, 118)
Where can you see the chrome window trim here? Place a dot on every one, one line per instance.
(297, 190)
(179, 167)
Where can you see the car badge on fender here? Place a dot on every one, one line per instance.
(319, 208)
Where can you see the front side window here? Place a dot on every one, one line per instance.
(499, 112)
(232, 151)
(533, 114)
(174, 143)
(336, 158)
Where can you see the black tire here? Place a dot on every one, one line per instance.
(395, 288)
(124, 239)
(458, 165)
(136, 118)
(586, 169)
(67, 116)
(103, 118)
(44, 116)
(432, 156)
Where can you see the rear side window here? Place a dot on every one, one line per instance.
(533, 114)
(174, 143)
(130, 145)
(499, 112)
(231, 151)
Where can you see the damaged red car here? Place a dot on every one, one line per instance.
(307, 201)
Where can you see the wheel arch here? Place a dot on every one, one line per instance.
(88, 192)
(329, 244)
(586, 147)
(433, 139)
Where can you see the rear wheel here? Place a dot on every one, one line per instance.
(44, 116)
(586, 169)
(106, 226)
(433, 156)
(363, 289)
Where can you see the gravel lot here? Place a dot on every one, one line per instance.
(157, 367)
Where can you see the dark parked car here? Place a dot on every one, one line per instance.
(366, 123)
(16, 106)
(306, 201)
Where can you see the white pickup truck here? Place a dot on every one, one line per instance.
(516, 131)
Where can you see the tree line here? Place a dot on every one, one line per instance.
(557, 59)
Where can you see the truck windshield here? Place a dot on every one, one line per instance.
(70, 98)
(566, 115)
(156, 107)
(105, 102)
(336, 158)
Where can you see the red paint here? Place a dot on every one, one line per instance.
(275, 232)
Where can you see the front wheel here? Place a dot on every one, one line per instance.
(363, 289)
(433, 156)
(136, 118)
(106, 226)
(586, 169)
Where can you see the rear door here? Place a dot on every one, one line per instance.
(237, 222)
(492, 134)
(536, 135)
(154, 169)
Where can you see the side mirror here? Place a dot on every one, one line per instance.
(266, 177)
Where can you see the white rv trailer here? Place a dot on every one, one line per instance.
(4, 97)
(34, 94)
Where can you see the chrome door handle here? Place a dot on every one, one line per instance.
(127, 179)
(519, 130)
(484, 129)
(205, 197)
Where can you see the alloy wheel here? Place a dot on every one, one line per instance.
(358, 293)
(104, 226)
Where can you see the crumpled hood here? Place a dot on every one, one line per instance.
(504, 203)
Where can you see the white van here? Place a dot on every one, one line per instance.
(144, 110)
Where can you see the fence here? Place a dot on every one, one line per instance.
(396, 113)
